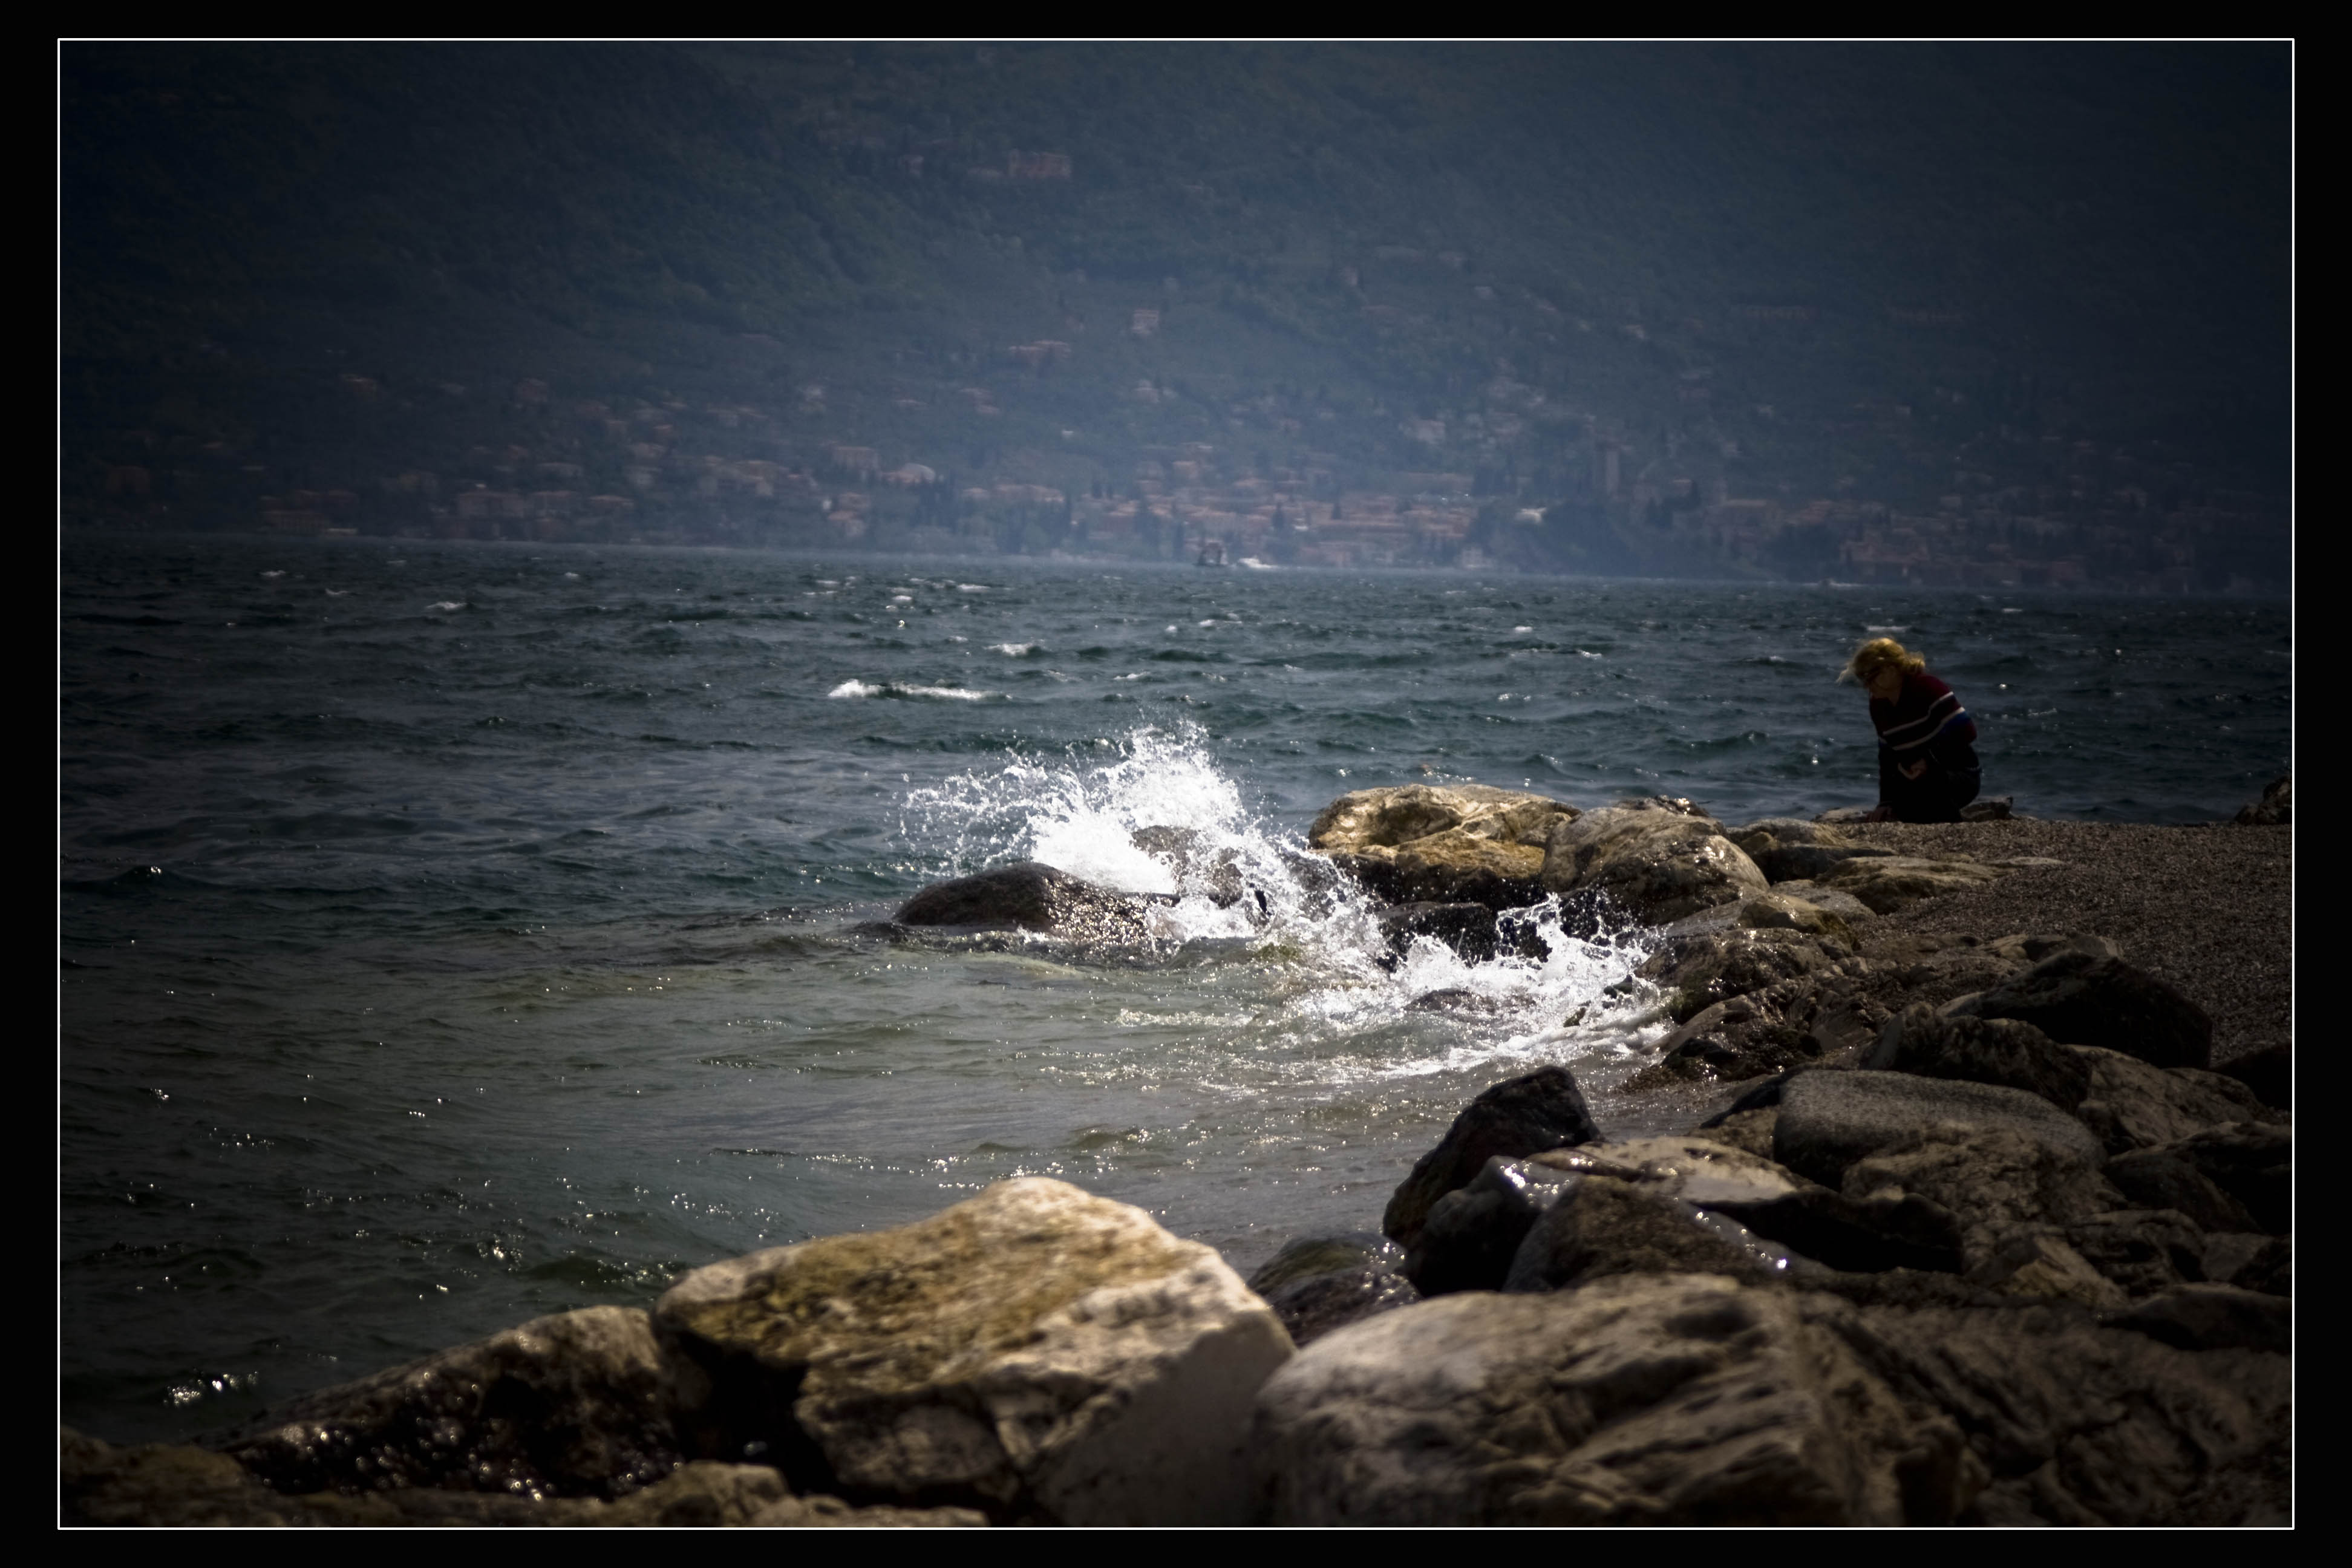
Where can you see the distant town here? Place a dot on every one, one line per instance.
(669, 473)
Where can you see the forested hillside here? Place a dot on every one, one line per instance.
(1793, 310)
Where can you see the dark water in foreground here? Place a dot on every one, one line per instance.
(455, 934)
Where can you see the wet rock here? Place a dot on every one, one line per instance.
(1700, 970)
(1521, 1116)
(1660, 865)
(2215, 1316)
(2141, 1251)
(1320, 1283)
(2133, 1105)
(1029, 895)
(1446, 844)
(1771, 909)
(2157, 1179)
(707, 1495)
(1888, 1232)
(1829, 1121)
(2082, 999)
(576, 1405)
(1035, 1352)
(2276, 807)
(1895, 882)
(1981, 1050)
(1468, 928)
(1468, 1239)
(1198, 867)
(161, 1485)
(1452, 999)
(2252, 1161)
(2268, 1074)
(1635, 1400)
(1601, 1226)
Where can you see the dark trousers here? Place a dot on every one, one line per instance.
(1936, 795)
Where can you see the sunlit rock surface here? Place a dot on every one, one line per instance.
(1034, 1352)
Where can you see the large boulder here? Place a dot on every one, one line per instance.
(2131, 1104)
(1441, 843)
(1521, 1116)
(1035, 1352)
(1894, 882)
(1829, 1121)
(1601, 1226)
(1472, 1232)
(1030, 895)
(571, 1406)
(1659, 865)
(2252, 1161)
(2083, 998)
(1681, 1399)
(1982, 1050)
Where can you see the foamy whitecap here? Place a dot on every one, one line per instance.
(1235, 878)
(446, 606)
(901, 689)
(1013, 649)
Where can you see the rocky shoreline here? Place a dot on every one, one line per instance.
(1983, 1214)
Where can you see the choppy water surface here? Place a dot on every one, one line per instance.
(455, 934)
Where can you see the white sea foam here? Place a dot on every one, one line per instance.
(901, 689)
(971, 587)
(1238, 878)
(1013, 649)
(446, 606)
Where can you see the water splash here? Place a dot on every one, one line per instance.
(1153, 813)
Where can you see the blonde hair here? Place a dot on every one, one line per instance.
(1879, 653)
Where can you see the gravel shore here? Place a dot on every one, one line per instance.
(2208, 907)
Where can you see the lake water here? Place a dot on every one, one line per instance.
(455, 933)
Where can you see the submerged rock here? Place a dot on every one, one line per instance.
(1660, 865)
(1521, 1116)
(1029, 895)
(1443, 844)
(571, 1406)
(1035, 1352)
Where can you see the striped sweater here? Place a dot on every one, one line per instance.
(1926, 720)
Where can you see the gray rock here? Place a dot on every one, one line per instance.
(2252, 1161)
(1660, 865)
(2143, 1251)
(1811, 862)
(1767, 831)
(1990, 808)
(1635, 1400)
(2215, 1316)
(2081, 999)
(1600, 1227)
(576, 1405)
(1521, 1116)
(1889, 884)
(1830, 1119)
(1700, 970)
(1035, 1352)
(2268, 1074)
(1318, 1284)
(2276, 807)
(1029, 895)
(2081, 1424)
(1467, 927)
(1446, 844)
(2251, 1261)
(1470, 1235)
(1844, 816)
(2134, 1105)
(1829, 901)
(1981, 1050)
(2157, 1179)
